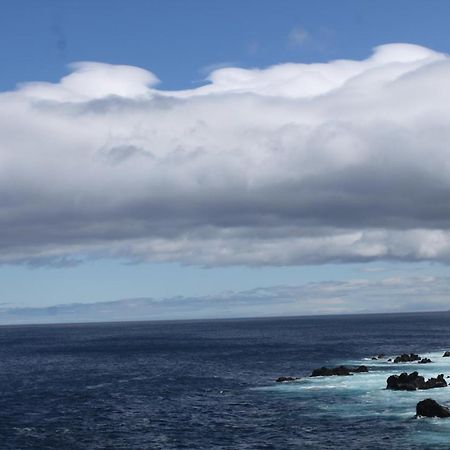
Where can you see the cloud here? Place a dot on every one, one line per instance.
(333, 297)
(320, 42)
(299, 36)
(292, 164)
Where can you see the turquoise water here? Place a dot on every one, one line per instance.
(210, 384)
(363, 397)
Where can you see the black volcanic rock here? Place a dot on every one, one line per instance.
(285, 379)
(431, 408)
(414, 381)
(360, 369)
(425, 361)
(405, 382)
(407, 358)
(435, 382)
(338, 371)
(326, 372)
(446, 354)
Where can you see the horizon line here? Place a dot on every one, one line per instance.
(218, 319)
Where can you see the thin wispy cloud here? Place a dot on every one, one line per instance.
(373, 269)
(301, 39)
(206, 70)
(345, 161)
(420, 293)
(299, 36)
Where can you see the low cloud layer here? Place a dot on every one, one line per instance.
(292, 164)
(390, 294)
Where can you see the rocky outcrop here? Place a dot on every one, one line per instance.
(405, 382)
(407, 358)
(446, 354)
(380, 356)
(435, 382)
(338, 371)
(285, 379)
(431, 408)
(425, 361)
(413, 382)
(360, 369)
(326, 372)
(438, 382)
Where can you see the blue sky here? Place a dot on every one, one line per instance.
(178, 39)
(181, 42)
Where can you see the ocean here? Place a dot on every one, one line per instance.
(210, 384)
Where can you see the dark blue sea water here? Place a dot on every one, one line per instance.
(210, 384)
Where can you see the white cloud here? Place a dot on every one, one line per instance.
(91, 80)
(332, 297)
(292, 164)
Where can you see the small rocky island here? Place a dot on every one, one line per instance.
(338, 371)
(425, 361)
(286, 379)
(407, 358)
(413, 382)
(431, 408)
(326, 372)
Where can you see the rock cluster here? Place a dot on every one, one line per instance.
(359, 369)
(431, 408)
(425, 361)
(339, 371)
(407, 358)
(402, 382)
(326, 372)
(284, 379)
(414, 381)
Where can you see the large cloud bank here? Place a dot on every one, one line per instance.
(292, 164)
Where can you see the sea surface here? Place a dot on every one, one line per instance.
(210, 384)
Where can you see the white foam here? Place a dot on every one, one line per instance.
(365, 394)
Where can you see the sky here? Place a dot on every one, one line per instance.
(221, 159)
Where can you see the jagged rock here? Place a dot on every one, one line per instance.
(446, 354)
(414, 381)
(435, 382)
(285, 379)
(404, 382)
(407, 358)
(360, 369)
(431, 408)
(425, 361)
(339, 371)
(325, 372)
(374, 358)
